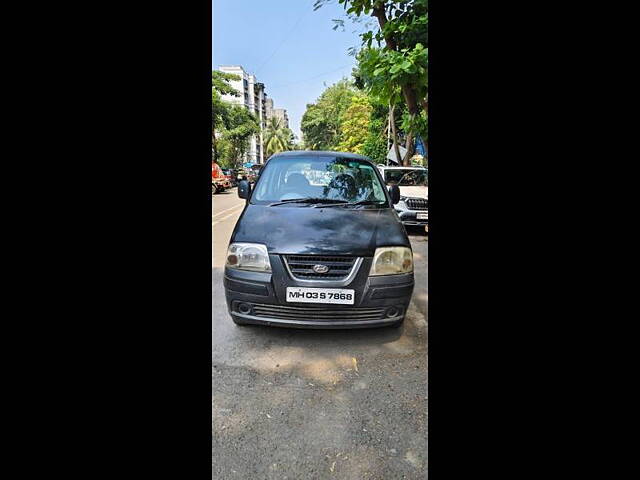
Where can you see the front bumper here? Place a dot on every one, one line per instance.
(410, 217)
(260, 298)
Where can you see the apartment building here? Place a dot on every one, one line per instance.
(253, 97)
(281, 114)
(268, 103)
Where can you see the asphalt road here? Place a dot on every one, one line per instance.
(313, 404)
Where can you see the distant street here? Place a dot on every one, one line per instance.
(313, 404)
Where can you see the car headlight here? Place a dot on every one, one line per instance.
(248, 256)
(392, 261)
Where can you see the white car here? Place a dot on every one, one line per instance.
(413, 206)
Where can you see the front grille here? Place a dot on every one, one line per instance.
(317, 313)
(417, 203)
(301, 267)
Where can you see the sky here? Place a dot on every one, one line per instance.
(290, 48)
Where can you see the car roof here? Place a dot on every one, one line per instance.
(320, 153)
(416, 167)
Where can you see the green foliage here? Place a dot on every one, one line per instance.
(220, 110)
(355, 124)
(321, 121)
(315, 130)
(375, 143)
(393, 62)
(220, 86)
(233, 125)
(225, 159)
(277, 138)
(220, 83)
(241, 125)
(384, 72)
(359, 119)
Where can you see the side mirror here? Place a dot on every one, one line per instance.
(244, 189)
(394, 192)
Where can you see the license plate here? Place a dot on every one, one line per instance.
(422, 216)
(321, 295)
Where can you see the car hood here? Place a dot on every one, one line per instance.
(320, 231)
(414, 191)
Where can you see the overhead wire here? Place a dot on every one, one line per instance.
(286, 37)
(310, 78)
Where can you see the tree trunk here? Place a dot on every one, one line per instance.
(395, 134)
(410, 145)
(389, 129)
(408, 93)
(425, 106)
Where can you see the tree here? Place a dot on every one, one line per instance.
(375, 143)
(397, 72)
(321, 121)
(277, 138)
(225, 159)
(354, 125)
(219, 108)
(241, 125)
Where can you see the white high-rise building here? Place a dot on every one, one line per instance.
(252, 97)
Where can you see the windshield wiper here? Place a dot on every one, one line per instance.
(353, 204)
(308, 200)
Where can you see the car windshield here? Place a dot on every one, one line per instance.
(319, 178)
(406, 177)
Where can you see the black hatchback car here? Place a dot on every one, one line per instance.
(319, 245)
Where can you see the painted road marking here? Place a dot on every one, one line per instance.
(226, 210)
(224, 218)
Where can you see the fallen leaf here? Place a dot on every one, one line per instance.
(355, 363)
(332, 466)
(268, 416)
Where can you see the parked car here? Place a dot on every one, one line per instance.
(256, 169)
(413, 207)
(231, 176)
(252, 174)
(319, 245)
(242, 175)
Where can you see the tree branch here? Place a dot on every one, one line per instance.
(378, 12)
(391, 44)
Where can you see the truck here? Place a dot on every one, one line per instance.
(219, 182)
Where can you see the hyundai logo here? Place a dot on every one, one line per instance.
(320, 268)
